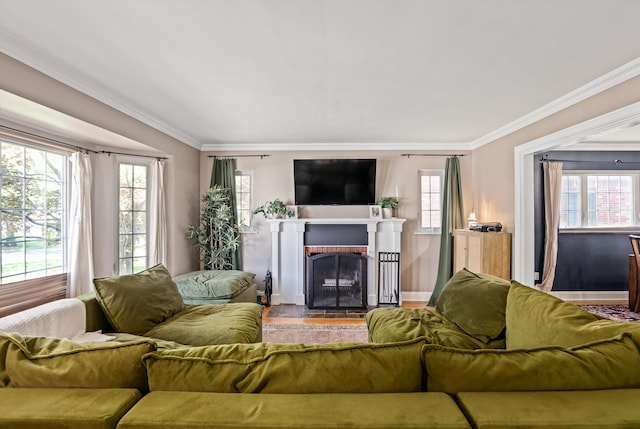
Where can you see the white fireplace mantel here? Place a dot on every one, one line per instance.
(288, 257)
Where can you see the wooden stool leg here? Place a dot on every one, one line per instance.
(634, 294)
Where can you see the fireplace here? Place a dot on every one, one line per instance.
(336, 280)
(290, 237)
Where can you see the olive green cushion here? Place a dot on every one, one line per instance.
(289, 368)
(607, 364)
(288, 411)
(476, 303)
(54, 362)
(537, 319)
(388, 325)
(213, 284)
(135, 303)
(580, 409)
(4, 348)
(95, 317)
(65, 408)
(202, 325)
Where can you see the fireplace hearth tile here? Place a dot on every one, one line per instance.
(302, 312)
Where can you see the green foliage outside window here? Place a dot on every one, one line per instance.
(32, 183)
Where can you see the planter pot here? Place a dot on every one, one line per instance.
(387, 213)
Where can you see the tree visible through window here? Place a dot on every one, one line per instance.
(132, 190)
(430, 216)
(32, 200)
(598, 200)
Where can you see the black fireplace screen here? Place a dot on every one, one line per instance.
(337, 280)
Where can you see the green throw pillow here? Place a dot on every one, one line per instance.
(476, 303)
(210, 284)
(537, 319)
(135, 303)
(289, 368)
(4, 347)
(607, 364)
(55, 362)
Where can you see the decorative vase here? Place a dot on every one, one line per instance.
(387, 213)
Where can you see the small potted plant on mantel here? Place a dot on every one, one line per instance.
(388, 204)
(275, 209)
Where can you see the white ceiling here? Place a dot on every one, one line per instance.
(330, 74)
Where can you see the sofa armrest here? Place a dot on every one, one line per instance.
(96, 319)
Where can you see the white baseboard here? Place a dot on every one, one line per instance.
(415, 296)
(565, 296)
(592, 295)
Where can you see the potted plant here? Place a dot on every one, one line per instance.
(217, 235)
(388, 204)
(275, 209)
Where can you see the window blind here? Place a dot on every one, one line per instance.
(25, 294)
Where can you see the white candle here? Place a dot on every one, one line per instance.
(396, 191)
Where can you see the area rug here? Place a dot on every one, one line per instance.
(621, 313)
(313, 333)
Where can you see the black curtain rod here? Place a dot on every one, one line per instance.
(409, 155)
(76, 147)
(544, 158)
(108, 152)
(238, 156)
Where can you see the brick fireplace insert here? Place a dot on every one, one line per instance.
(336, 277)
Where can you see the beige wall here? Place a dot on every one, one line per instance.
(182, 168)
(493, 169)
(273, 178)
(493, 164)
(487, 175)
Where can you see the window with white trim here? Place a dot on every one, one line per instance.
(599, 200)
(33, 193)
(430, 213)
(132, 217)
(244, 187)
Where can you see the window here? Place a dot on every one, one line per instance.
(598, 200)
(33, 194)
(244, 185)
(132, 218)
(429, 218)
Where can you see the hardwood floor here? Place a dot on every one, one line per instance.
(333, 319)
(267, 319)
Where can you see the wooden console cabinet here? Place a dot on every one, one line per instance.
(482, 252)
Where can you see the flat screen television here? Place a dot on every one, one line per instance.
(334, 181)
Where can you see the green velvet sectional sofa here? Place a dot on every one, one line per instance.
(530, 360)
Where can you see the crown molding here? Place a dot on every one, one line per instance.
(49, 66)
(628, 116)
(608, 146)
(323, 146)
(45, 64)
(609, 80)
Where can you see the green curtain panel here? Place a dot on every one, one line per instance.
(452, 218)
(224, 174)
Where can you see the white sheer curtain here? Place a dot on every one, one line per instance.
(552, 186)
(80, 276)
(157, 216)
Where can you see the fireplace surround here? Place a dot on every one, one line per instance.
(289, 252)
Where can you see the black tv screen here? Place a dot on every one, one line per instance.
(334, 181)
